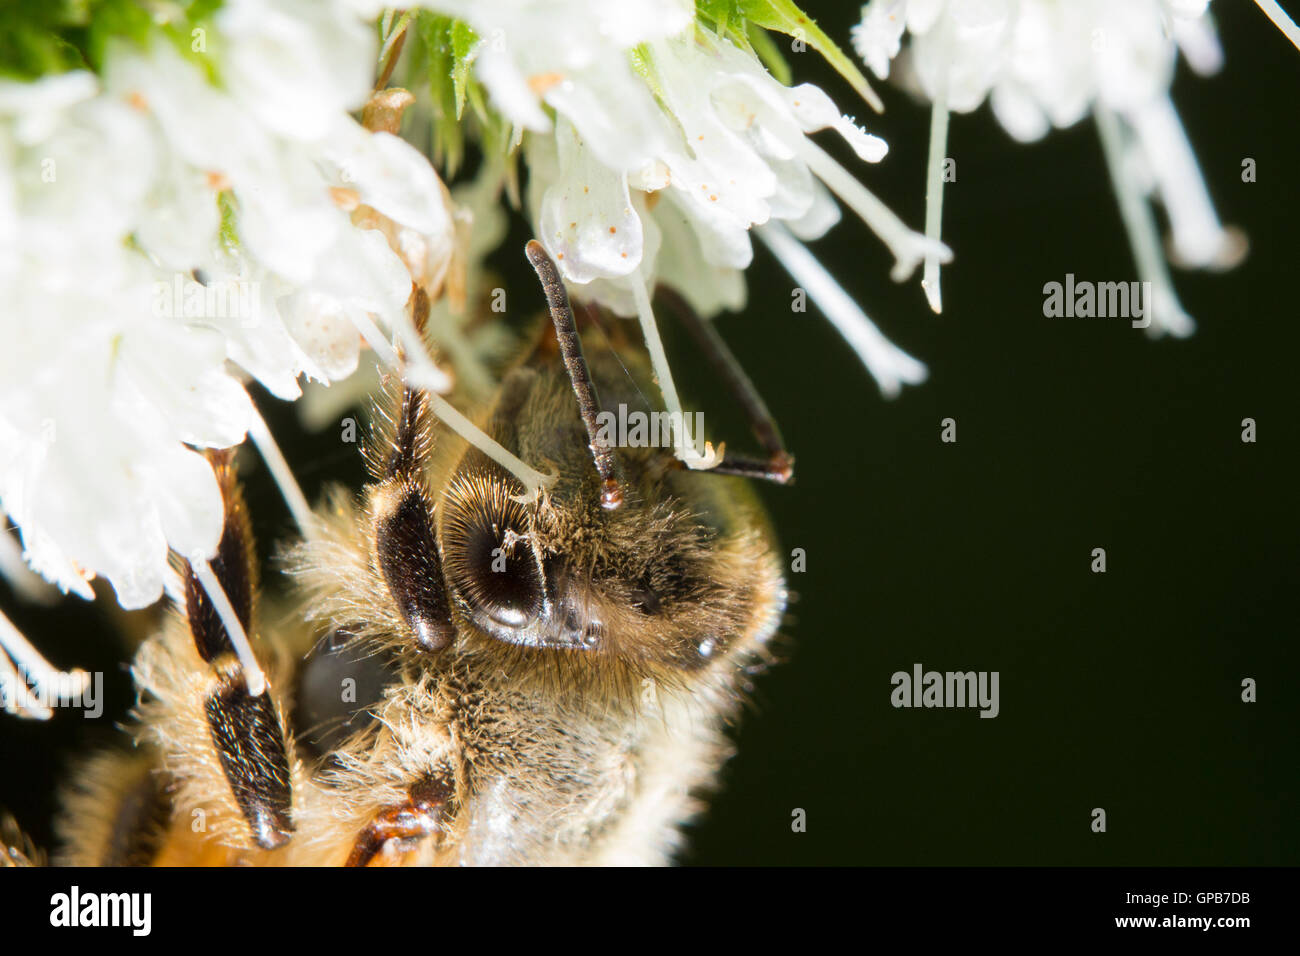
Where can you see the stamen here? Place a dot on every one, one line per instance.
(49, 683)
(1198, 238)
(253, 676)
(282, 474)
(1166, 311)
(889, 365)
(1274, 12)
(659, 362)
(15, 696)
(417, 373)
(25, 582)
(416, 353)
(376, 340)
(934, 177)
(470, 368)
(909, 248)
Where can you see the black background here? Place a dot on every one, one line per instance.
(1119, 690)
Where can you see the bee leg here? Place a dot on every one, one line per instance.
(250, 744)
(419, 817)
(405, 547)
(245, 728)
(778, 466)
(15, 848)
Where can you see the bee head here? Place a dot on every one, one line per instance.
(666, 578)
(626, 556)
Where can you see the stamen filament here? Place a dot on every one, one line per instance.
(1143, 234)
(416, 353)
(659, 362)
(1197, 235)
(282, 474)
(909, 248)
(889, 365)
(254, 679)
(49, 682)
(1273, 10)
(934, 182)
(470, 367)
(376, 340)
(418, 374)
(25, 582)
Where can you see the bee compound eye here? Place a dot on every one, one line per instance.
(499, 576)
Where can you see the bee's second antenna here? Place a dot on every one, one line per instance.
(778, 466)
(566, 334)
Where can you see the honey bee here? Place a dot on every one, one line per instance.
(463, 676)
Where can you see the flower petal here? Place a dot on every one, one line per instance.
(587, 223)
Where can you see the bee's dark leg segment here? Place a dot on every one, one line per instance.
(16, 849)
(779, 466)
(250, 744)
(408, 558)
(406, 548)
(575, 363)
(407, 451)
(779, 470)
(234, 566)
(245, 730)
(421, 816)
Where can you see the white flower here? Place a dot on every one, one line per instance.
(92, 383)
(571, 55)
(653, 165)
(165, 237)
(296, 66)
(1045, 63)
(137, 300)
(734, 153)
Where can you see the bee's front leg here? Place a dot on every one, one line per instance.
(422, 816)
(245, 725)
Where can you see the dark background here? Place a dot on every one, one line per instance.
(1119, 690)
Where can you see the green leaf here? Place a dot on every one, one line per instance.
(181, 34)
(496, 138)
(643, 65)
(784, 16)
(201, 10)
(33, 37)
(435, 33)
(462, 42)
(27, 53)
(115, 20)
(724, 15)
(762, 43)
(229, 231)
(42, 37)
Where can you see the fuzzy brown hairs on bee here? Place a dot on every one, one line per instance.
(462, 674)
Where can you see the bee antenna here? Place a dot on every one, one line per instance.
(566, 334)
(778, 465)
